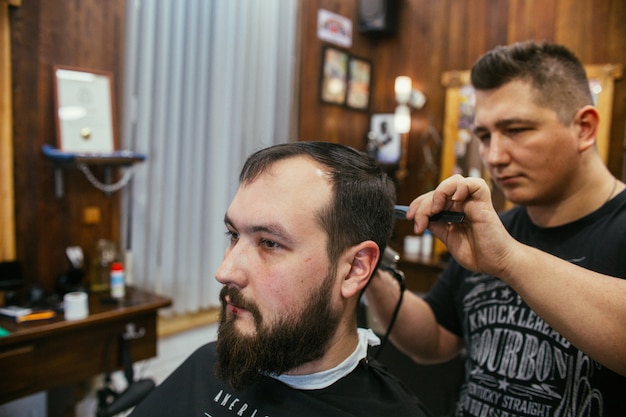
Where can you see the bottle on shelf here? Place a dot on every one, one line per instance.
(105, 254)
(118, 284)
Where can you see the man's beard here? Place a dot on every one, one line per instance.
(276, 347)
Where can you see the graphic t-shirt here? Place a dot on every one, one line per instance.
(516, 364)
(193, 390)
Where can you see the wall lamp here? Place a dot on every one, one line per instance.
(407, 98)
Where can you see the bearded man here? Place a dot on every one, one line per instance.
(306, 230)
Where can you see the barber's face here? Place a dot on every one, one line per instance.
(529, 153)
(279, 299)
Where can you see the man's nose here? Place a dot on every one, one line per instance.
(495, 152)
(232, 270)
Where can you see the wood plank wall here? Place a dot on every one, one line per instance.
(432, 37)
(79, 33)
(437, 36)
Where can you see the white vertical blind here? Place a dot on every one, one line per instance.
(207, 82)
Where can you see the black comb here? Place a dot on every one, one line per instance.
(443, 216)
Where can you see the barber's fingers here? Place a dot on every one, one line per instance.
(459, 190)
(454, 194)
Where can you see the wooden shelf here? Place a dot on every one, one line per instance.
(63, 160)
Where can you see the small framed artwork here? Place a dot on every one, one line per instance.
(359, 78)
(384, 143)
(334, 76)
(85, 117)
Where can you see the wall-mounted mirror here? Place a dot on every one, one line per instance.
(459, 152)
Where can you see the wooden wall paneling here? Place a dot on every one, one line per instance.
(24, 23)
(310, 55)
(596, 38)
(321, 121)
(456, 46)
(480, 20)
(574, 27)
(86, 34)
(540, 20)
(531, 19)
(497, 27)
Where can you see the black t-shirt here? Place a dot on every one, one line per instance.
(516, 364)
(193, 390)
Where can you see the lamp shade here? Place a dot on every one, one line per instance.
(402, 88)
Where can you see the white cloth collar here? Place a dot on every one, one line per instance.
(328, 377)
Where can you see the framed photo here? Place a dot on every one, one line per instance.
(384, 144)
(334, 28)
(359, 79)
(334, 76)
(85, 117)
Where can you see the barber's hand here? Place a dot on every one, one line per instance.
(480, 243)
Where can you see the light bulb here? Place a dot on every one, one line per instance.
(402, 88)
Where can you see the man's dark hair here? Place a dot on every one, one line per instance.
(363, 195)
(558, 77)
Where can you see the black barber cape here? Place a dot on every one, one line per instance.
(193, 390)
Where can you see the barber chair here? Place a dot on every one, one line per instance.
(111, 402)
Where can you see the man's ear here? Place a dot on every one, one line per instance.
(587, 120)
(364, 258)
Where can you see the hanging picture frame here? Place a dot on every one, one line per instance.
(334, 72)
(385, 144)
(359, 80)
(85, 117)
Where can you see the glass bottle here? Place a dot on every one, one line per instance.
(104, 256)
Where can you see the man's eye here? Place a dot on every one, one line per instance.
(483, 137)
(270, 244)
(233, 236)
(516, 130)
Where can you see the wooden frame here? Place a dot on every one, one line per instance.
(604, 76)
(359, 81)
(7, 202)
(334, 79)
(456, 84)
(84, 108)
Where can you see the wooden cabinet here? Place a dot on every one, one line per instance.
(49, 354)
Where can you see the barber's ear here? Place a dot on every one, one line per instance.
(586, 120)
(364, 258)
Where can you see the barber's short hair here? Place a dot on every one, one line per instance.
(363, 195)
(555, 73)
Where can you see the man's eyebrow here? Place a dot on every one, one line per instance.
(274, 229)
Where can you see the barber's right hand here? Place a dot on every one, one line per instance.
(480, 243)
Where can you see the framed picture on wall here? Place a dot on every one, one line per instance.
(334, 76)
(359, 79)
(84, 110)
(384, 143)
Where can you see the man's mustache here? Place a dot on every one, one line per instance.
(237, 299)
